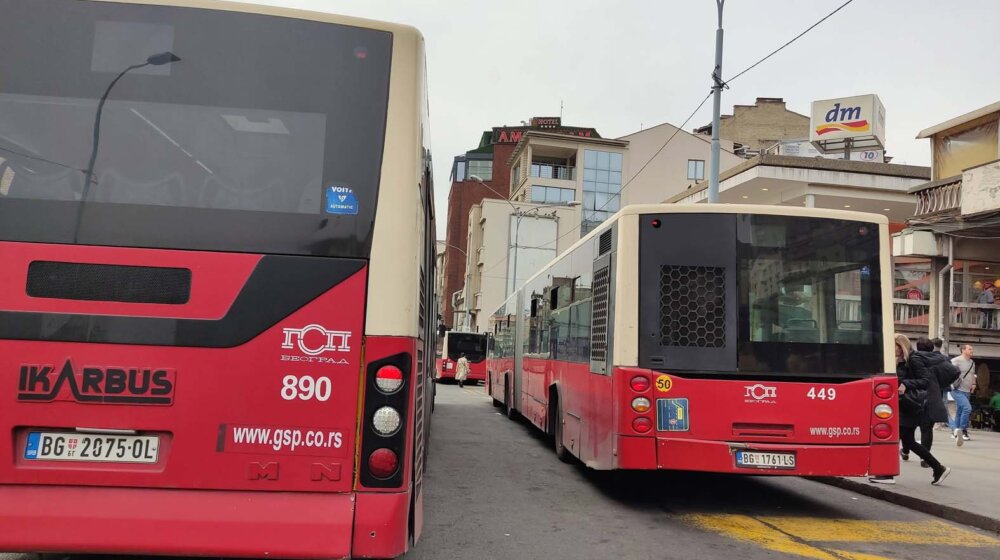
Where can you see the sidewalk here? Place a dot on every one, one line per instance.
(967, 496)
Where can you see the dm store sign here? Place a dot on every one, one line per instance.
(341, 200)
(860, 118)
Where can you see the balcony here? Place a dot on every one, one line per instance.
(940, 197)
(552, 171)
(971, 322)
(971, 194)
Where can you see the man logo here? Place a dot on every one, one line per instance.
(760, 393)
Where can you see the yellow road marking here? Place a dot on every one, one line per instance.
(795, 535)
(857, 530)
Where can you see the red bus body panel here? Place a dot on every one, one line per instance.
(446, 369)
(241, 470)
(830, 432)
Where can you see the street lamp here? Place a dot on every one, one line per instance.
(161, 59)
(517, 225)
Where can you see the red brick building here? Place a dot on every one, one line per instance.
(488, 162)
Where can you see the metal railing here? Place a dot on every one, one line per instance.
(550, 171)
(975, 316)
(962, 315)
(910, 311)
(940, 198)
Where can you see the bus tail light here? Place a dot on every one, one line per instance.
(882, 431)
(385, 417)
(883, 411)
(639, 384)
(383, 463)
(386, 421)
(884, 391)
(642, 424)
(388, 379)
(640, 404)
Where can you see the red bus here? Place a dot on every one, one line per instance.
(725, 338)
(456, 344)
(216, 298)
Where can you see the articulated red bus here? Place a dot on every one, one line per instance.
(726, 338)
(455, 345)
(216, 296)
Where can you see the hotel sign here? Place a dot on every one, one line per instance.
(514, 134)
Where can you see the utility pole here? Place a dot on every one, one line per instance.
(718, 84)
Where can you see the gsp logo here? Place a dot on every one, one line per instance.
(760, 394)
(319, 340)
(96, 385)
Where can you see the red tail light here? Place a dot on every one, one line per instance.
(642, 424)
(884, 391)
(882, 431)
(389, 379)
(382, 463)
(639, 384)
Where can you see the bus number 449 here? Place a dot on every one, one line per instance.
(823, 394)
(305, 388)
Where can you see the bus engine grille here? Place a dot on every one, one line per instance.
(693, 306)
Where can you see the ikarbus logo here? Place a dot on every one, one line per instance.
(843, 119)
(96, 385)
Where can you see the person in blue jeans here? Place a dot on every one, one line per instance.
(961, 391)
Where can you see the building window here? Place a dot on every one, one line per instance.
(696, 170)
(459, 171)
(551, 195)
(483, 168)
(602, 185)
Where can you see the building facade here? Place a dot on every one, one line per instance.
(510, 241)
(948, 260)
(551, 168)
(663, 160)
(488, 162)
(755, 128)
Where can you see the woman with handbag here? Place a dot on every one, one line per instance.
(920, 401)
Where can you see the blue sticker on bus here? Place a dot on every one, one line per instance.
(31, 450)
(341, 200)
(672, 415)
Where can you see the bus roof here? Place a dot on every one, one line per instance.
(638, 209)
(277, 11)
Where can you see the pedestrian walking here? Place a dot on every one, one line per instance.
(938, 346)
(945, 377)
(462, 370)
(961, 390)
(920, 401)
(903, 349)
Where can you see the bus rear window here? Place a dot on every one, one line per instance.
(199, 143)
(473, 346)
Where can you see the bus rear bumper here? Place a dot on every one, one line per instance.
(197, 522)
(810, 460)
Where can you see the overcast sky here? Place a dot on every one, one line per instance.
(621, 64)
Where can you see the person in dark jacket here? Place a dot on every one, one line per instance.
(903, 351)
(945, 372)
(927, 369)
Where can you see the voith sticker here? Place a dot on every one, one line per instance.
(340, 200)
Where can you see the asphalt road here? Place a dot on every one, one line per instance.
(495, 490)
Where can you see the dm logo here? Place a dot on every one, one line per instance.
(843, 119)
